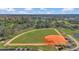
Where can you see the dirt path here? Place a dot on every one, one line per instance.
(28, 44)
(7, 43)
(58, 32)
(74, 41)
(69, 37)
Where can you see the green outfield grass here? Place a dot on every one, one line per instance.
(36, 36)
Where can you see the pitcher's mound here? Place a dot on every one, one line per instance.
(55, 39)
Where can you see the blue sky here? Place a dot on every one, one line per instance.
(39, 10)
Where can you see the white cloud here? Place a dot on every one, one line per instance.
(22, 12)
(28, 9)
(7, 9)
(68, 9)
(10, 9)
(42, 8)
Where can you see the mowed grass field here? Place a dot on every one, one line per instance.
(36, 36)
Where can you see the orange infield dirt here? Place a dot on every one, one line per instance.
(49, 40)
(55, 39)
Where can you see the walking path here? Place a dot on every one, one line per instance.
(28, 44)
(71, 38)
(35, 44)
(7, 43)
(74, 41)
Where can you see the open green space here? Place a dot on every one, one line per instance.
(36, 36)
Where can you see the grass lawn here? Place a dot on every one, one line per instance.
(36, 36)
(69, 31)
(1, 45)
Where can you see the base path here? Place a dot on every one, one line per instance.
(58, 32)
(28, 44)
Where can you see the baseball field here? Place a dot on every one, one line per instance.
(35, 39)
